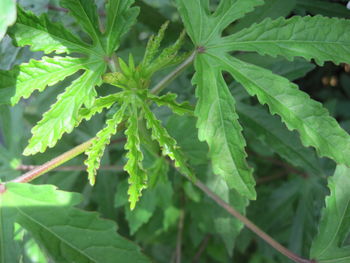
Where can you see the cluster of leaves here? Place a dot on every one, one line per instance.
(225, 116)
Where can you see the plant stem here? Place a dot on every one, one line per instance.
(180, 229)
(251, 225)
(70, 168)
(40, 170)
(172, 75)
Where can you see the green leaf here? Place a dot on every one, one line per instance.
(166, 142)
(328, 246)
(137, 175)
(143, 212)
(319, 38)
(271, 8)
(7, 15)
(85, 12)
(37, 75)
(203, 27)
(99, 144)
(100, 104)
(218, 126)
(68, 234)
(63, 116)
(153, 45)
(324, 8)
(270, 130)
(169, 100)
(43, 35)
(120, 18)
(9, 252)
(297, 110)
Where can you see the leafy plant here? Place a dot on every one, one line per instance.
(201, 136)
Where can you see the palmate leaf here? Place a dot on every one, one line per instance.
(37, 75)
(99, 144)
(7, 15)
(43, 35)
(328, 246)
(85, 12)
(203, 27)
(319, 38)
(66, 233)
(137, 174)
(166, 142)
(120, 17)
(218, 126)
(316, 127)
(63, 116)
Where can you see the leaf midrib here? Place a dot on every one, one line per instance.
(54, 234)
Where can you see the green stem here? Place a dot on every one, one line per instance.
(172, 75)
(40, 170)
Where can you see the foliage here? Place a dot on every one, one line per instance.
(98, 73)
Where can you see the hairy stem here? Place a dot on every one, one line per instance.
(172, 75)
(40, 170)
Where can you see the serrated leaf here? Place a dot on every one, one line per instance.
(43, 35)
(166, 142)
(137, 174)
(37, 75)
(66, 233)
(153, 45)
(7, 15)
(63, 116)
(297, 110)
(270, 130)
(169, 100)
(319, 38)
(271, 8)
(99, 144)
(120, 18)
(100, 104)
(203, 27)
(334, 226)
(324, 8)
(85, 12)
(142, 212)
(218, 126)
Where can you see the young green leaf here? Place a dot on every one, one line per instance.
(120, 17)
(166, 142)
(218, 126)
(66, 233)
(169, 100)
(7, 15)
(137, 174)
(43, 35)
(37, 75)
(99, 105)
(63, 116)
(319, 38)
(99, 144)
(334, 226)
(316, 127)
(85, 12)
(153, 45)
